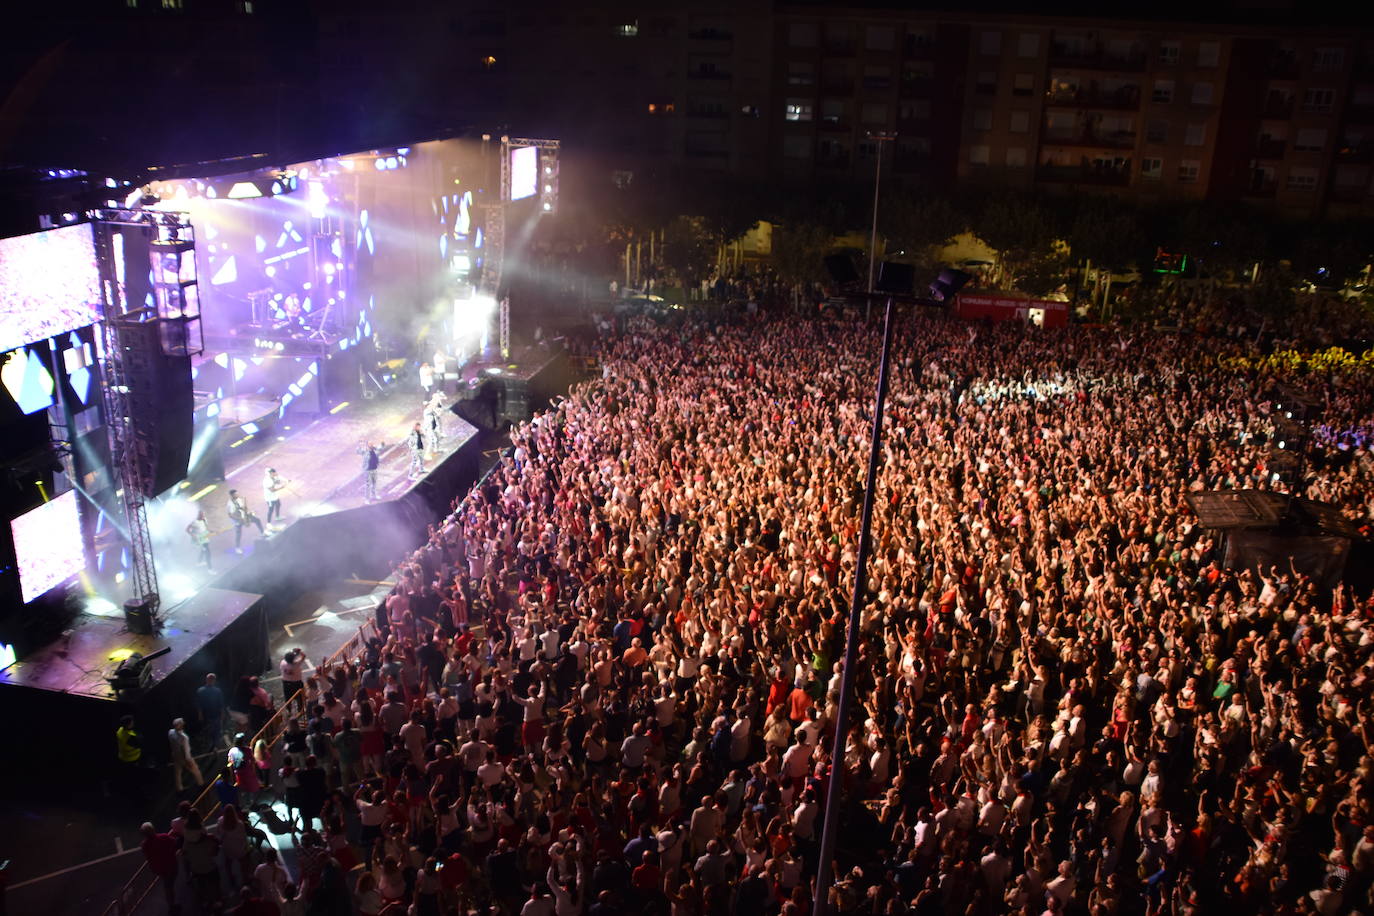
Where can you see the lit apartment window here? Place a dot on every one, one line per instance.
(1168, 52)
(1318, 101)
(1151, 169)
(1310, 140)
(798, 110)
(627, 30)
(1328, 59)
(1208, 53)
(1163, 91)
(979, 155)
(1188, 171)
(1020, 122)
(1028, 45)
(1195, 135)
(1016, 157)
(982, 119)
(990, 43)
(1202, 93)
(1302, 179)
(246, 7)
(171, 4)
(131, 4)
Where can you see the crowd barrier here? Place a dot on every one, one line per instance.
(136, 890)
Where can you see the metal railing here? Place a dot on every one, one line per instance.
(207, 803)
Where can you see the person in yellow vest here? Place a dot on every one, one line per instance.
(129, 749)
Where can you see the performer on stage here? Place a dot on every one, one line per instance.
(440, 369)
(416, 441)
(371, 462)
(272, 485)
(241, 515)
(426, 379)
(199, 530)
(434, 421)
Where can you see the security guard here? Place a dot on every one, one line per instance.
(129, 748)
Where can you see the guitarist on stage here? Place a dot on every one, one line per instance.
(241, 515)
(199, 530)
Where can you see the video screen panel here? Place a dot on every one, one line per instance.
(48, 546)
(49, 284)
(524, 172)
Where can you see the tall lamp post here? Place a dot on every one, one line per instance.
(878, 137)
(831, 816)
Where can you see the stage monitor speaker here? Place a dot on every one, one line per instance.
(138, 616)
(897, 279)
(841, 269)
(948, 283)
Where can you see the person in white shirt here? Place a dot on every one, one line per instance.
(179, 744)
(272, 485)
(241, 515)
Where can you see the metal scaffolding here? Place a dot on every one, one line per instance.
(133, 336)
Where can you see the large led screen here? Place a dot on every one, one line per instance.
(49, 284)
(47, 545)
(524, 172)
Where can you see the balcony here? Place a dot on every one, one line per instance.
(1359, 114)
(1282, 66)
(707, 73)
(1262, 185)
(837, 87)
(1116, 139)
(1084, 174)
(916, 86)
(708, 34)
(1349, 194)
(1093, 57)
(1362, 153)
(918, 46)
(1277, 109)
(839, 48)
(1269, 148)
(1126, 98)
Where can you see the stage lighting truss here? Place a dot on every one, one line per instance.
(548, 180)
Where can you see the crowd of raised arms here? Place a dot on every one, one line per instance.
(609, 681)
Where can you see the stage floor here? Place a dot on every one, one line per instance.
(323, 471)
(79, 662)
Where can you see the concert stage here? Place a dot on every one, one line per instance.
(218, 620)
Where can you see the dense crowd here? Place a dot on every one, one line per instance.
(608, 683)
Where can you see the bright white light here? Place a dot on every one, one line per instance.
(243, 189)
(318, 199)
(472, 318)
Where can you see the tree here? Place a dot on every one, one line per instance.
(687, 249)
(1022, 229)
(798, 251)
(919, 223)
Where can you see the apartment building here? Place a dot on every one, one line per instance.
(1152, 111)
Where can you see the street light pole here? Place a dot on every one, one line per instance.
(878, 137)
(831, 815)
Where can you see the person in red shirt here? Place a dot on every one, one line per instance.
(160, 851)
